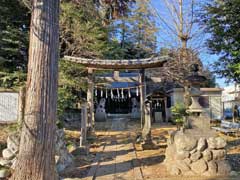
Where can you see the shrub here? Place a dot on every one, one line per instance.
(179, 113)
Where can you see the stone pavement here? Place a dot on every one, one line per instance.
(118, 159)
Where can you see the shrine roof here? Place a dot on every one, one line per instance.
(120, 63)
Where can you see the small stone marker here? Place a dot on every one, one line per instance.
(83, 135)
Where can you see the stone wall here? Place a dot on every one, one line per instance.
(190, 155)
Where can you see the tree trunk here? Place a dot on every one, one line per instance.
(36, 155)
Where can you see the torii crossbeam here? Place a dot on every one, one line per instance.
(152, 62)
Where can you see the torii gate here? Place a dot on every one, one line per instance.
(123, 64)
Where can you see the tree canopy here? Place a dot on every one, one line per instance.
(222, 19)
(111, 29)
(82, 32)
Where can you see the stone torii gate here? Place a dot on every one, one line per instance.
(123, 64)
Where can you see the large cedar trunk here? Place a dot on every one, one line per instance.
(36, 154)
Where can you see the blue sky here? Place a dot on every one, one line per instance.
(165, 38)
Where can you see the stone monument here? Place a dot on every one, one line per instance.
(100, 114)
(147, 143)
(197, 150)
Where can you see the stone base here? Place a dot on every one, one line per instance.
(84, 150)
(190, 153)
(149, 145)
(90, 132)
(100, 116)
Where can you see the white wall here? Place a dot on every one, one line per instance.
(215, 101)
(177, 96)
(8, 106)
(228, 96)
(216, 107)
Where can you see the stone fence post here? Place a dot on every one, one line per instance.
(84, 117)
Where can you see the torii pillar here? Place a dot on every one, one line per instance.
(142, 94)
(90, 97)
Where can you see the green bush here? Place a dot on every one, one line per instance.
(72, 86)
(12, 80)
(66, 100)
(179, 113)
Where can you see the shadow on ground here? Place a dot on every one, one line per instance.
(111, 168)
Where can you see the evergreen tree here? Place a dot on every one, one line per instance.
(72, 86)
(135, 32)
(14, 26)
(223, 21)
(82, 33)
(111, 10)
(143, 29)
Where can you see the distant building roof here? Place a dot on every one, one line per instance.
(180, 89)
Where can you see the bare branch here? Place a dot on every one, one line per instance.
(190, 24)
(162, 19)
(173, 13)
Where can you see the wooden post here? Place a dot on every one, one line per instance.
(166, 110)
(83, 136)
(21, 105)
(90, 98)
(223, 110)
(142, 94)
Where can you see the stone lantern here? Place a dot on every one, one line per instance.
(195, 81)
(197, 119)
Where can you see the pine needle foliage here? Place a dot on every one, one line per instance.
(223, 21)
(14, 26)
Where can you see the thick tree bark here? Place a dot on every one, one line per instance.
(36, 155)
(21, 105)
